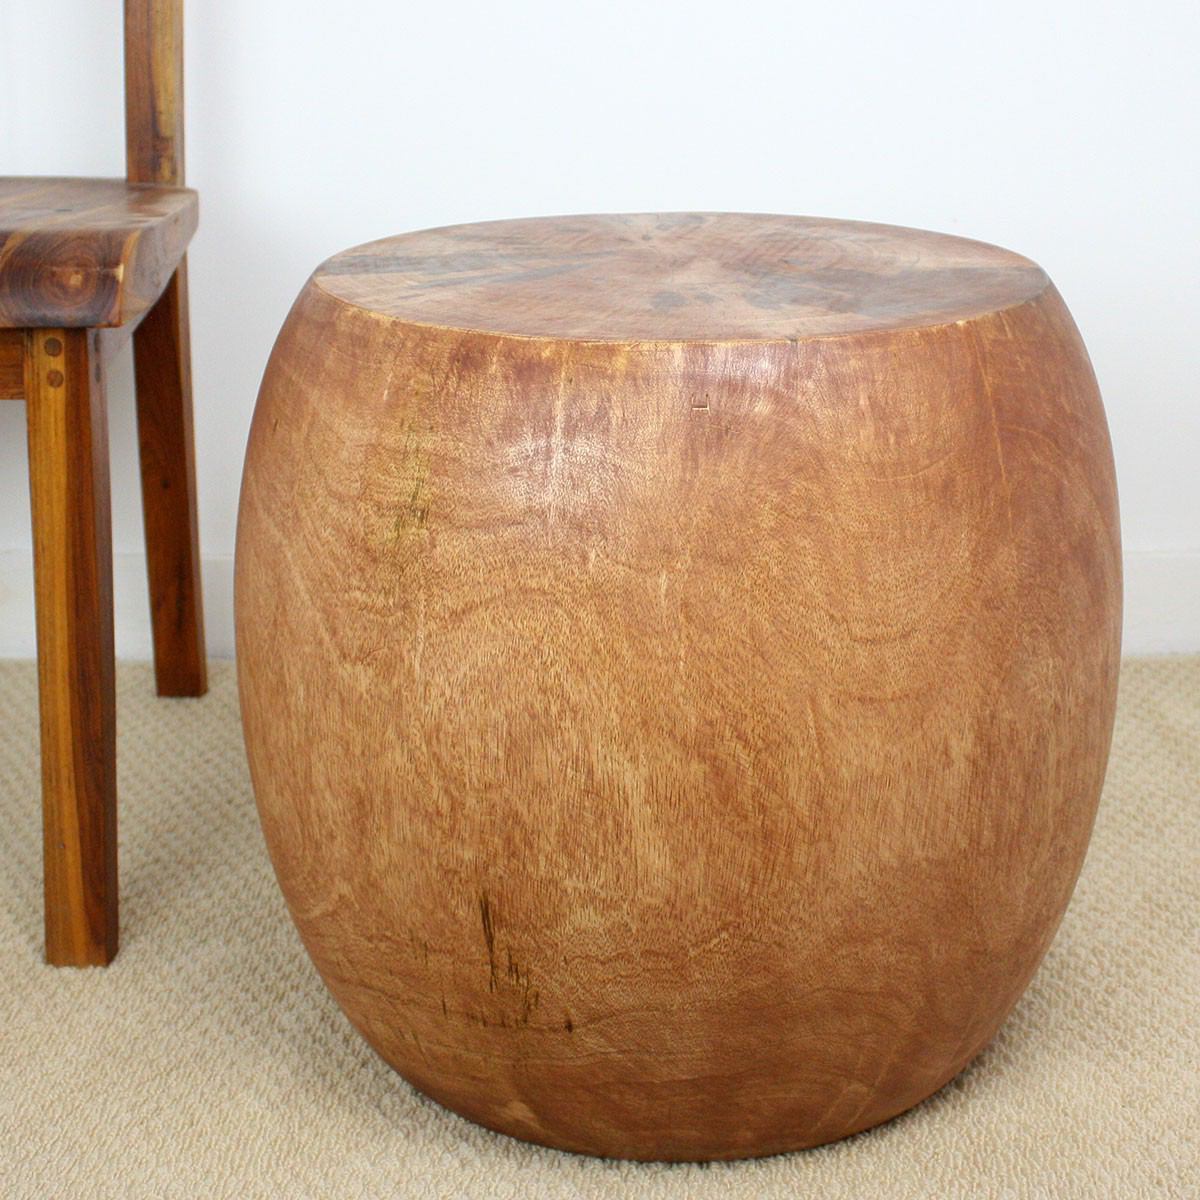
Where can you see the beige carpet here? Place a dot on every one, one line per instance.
(209, 1061)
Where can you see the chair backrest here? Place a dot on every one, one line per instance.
(154, 91)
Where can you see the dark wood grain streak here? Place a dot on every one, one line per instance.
(69, 488)
(678, 660)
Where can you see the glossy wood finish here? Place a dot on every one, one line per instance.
(85, 264)
(69, 488)
(154, 91)
(84, 253)
(672, 741)
(162, 362)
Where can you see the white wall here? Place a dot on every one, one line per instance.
(1068, 131)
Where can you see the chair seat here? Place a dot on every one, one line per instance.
(86, 253)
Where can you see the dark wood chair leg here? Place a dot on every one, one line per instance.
(162, 368)
(72, 544)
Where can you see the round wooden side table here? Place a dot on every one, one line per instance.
(678, 657)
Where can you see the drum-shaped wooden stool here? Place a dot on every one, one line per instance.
(678, 658)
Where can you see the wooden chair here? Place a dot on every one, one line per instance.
(85, 263)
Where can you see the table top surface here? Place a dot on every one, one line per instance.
(679, 277)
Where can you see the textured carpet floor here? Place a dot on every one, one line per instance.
(210, 1061)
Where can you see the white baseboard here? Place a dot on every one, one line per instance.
(1162, 604)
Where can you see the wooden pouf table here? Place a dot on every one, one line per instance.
(678, 657)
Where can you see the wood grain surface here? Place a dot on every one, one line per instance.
(162, 368)
(72, 555)
(84, 265)
(12, 364)
(677, 728)
(87, 252)
(154, 151)
(154, 91)
(679, 277)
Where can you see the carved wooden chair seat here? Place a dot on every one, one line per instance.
(86, 264)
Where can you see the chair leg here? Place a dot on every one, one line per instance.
(72, 544)
(163, 375)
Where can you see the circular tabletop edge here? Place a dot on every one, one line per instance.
(1036, 282)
